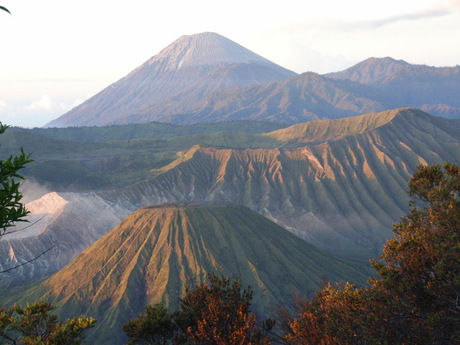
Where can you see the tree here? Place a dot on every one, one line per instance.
(5, 9)
(421, 265)
(11, 208)
(417, 298)
(217, 313)
(35, 325)
(155, 325)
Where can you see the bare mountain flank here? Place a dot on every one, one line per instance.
(338, 185)
(157, 252)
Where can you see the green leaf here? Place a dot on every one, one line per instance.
(5, 9)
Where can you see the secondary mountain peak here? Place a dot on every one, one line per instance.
(372, 70)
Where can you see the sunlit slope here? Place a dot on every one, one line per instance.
(326, 130)
(342, 194)
(157, 252)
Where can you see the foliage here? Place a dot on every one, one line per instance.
(218, 313)
(416, 301)
(5, 9)
(214, 313)
(153, 326)
(11, 208)
(422, 261)
(35, 325)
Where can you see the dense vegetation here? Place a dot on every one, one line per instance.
(214, 313)
(93, 158)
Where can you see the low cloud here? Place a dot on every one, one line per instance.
(33, 190)
(44, 103)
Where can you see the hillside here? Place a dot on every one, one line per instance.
(157, 252)
(61, 225)
(306, 97)
(339, 184)
(341, 194)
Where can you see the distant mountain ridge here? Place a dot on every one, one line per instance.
(434, 89)
(382, 71)
(206, 77)
(157, 252)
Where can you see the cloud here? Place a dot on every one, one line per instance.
(44, 103)
(432, 12)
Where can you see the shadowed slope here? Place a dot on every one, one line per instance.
(158, 251)
(341, 195)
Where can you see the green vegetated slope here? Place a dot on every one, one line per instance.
(342, 194)
(154, 130)
(157, 252)
(101, 157)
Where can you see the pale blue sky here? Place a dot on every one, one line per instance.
(54, 54)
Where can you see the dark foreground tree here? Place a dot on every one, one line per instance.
(4, 9)
(417, 299)
(155, 325)
(11, 208)
(217, 313)
(35, 325)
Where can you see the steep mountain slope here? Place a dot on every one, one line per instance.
(298, 99)
(188, 69)
(342, 194)
(157, 252)
(404, 84)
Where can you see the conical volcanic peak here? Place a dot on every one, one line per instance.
(171, 82)
(206, 48)
(157, 252)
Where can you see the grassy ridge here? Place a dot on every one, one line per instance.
(153, 130)
(119, 155)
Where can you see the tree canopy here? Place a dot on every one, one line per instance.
(11, 208)
(214, 313)
(416, 300)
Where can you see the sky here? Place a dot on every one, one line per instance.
(55, 54)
